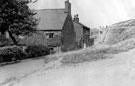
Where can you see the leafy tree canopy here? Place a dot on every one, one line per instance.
(16, 17)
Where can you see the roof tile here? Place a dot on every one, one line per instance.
(51, 19)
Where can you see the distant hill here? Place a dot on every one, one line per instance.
(127, 23)
(120, 31)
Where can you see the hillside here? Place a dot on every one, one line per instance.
(120, 31)
(127, 23)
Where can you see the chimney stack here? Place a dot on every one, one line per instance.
(67, 7)
(76, 18)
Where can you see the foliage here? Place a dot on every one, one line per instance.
(16, 17)
(37, 38)
(83, 57)
(36, 50)
(8, 54)
(5, 41)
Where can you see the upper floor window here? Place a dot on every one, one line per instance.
(50, 35)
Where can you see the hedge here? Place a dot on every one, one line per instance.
(17, 53)
(36, 51)
(12, 53)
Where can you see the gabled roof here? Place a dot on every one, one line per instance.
(82, 25)
(51, 19)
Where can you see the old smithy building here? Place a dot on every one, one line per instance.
(62, 32)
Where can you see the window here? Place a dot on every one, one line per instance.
(51, 48)
(50, 35)
(101, 32)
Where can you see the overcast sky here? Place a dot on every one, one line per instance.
(94, 13)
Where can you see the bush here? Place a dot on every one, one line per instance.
(79, 58)
(85, 55)
(12, 53)
(36, 50)
(1, 59)
(19, 53)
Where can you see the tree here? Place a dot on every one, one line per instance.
(17, 18)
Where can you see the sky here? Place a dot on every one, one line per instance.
(94, 13)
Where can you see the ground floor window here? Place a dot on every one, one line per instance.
(51, 48)
(55, 49)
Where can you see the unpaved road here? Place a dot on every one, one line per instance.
(118, 71)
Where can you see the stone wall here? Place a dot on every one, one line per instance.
(68, 35)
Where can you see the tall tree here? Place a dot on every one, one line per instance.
(16, 18)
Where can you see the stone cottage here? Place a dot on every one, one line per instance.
(82, 33)
(58, 31)
(57, 26)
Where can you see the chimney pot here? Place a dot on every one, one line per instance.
(76, 18)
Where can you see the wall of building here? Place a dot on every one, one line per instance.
(55, 33)
(94, 33)
(86, 33)
(79, 31)
(5, 40)
(37, 38)
(56, 40)
(82, 35)
(68, 35)
(55, 49)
